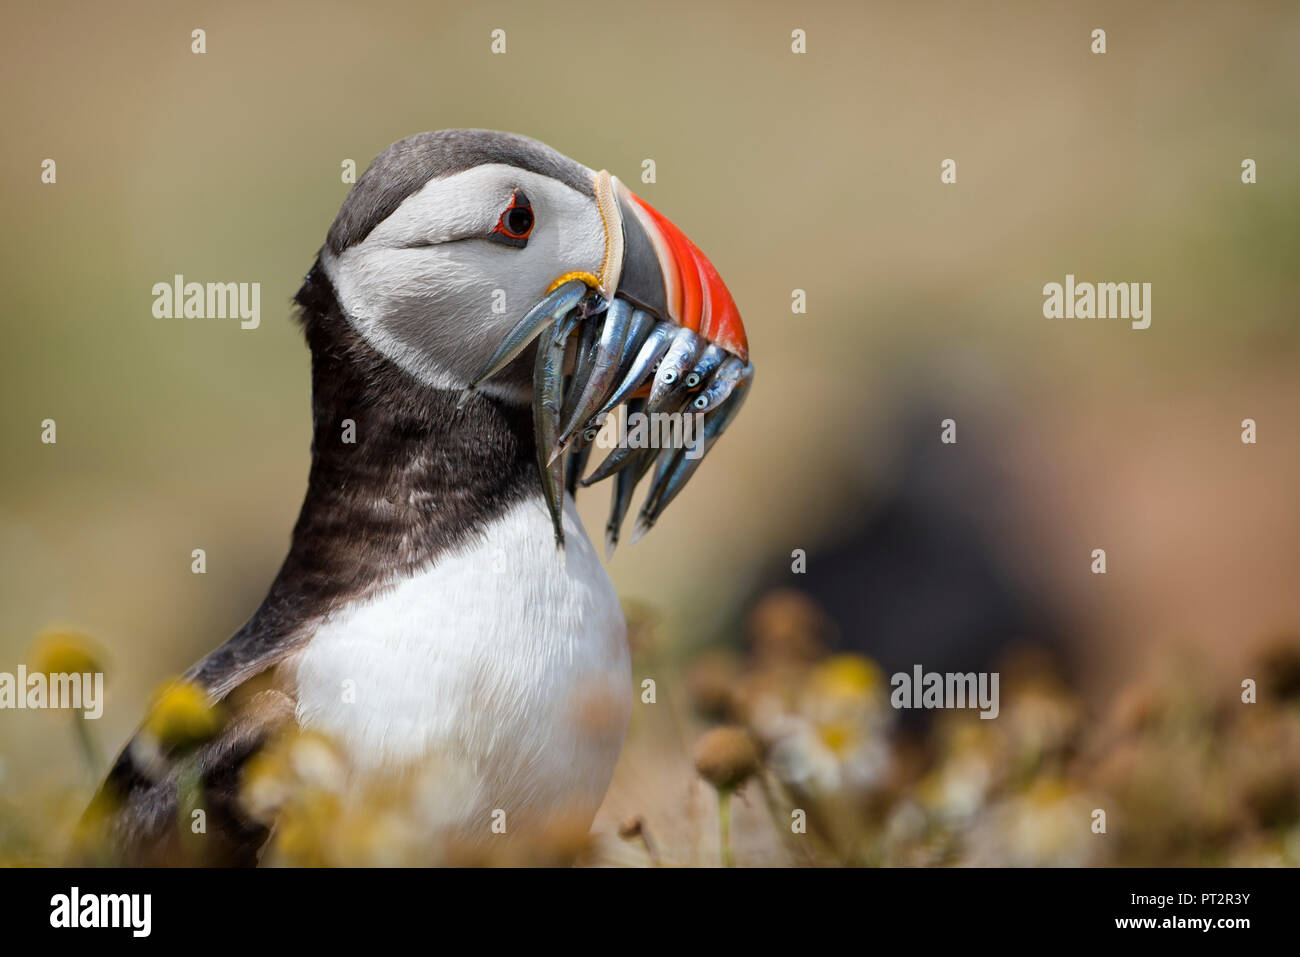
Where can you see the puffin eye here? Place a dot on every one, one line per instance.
(515, 223)
(518, 220)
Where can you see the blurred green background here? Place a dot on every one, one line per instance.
(816, 171)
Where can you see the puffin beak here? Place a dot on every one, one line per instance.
(666, 274)
(656, 330)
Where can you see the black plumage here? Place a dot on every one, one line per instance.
(422, 477)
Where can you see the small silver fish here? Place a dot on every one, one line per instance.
(728, 376)
(548, 388)
(609, 355)
(682, 354)
(555, 304)
(683, 466)
(709, 361)
(643, 365)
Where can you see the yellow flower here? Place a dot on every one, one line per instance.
(292, 764)
(304, 830)
(1047, 791)
(266, 784)
(839, 736)
(181, 715)
(847, 676)
(65, 653)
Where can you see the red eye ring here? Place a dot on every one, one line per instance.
(516, 222)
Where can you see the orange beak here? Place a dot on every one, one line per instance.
(665, 273)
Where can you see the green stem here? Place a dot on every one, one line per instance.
(781, 824)
(189, 794)
(86, 744)
(724, 825)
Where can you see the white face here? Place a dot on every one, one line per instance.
(423, 287)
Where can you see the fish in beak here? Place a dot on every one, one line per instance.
(653, 330)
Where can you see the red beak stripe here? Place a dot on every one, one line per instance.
(697, 297)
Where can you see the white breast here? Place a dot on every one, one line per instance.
(502, 669)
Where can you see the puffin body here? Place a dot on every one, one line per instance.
(442, 614)
(511, 679)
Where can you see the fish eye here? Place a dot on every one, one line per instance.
(670, 377)
(701, 402)
(692, 380)
(590, 435)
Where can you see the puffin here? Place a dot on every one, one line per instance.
(482, 306)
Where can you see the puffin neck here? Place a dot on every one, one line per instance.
(398, 474)
(410, 478)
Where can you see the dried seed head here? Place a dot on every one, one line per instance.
(726, 757)
(788, 628)
(711, 683)
(1280, 663)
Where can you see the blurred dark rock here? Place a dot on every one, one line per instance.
(924, 575)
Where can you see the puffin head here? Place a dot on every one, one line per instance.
(457, 250)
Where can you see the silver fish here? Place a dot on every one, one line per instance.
(553, 305)
(683, 467)
(609, 355)
(638, 331)
(584, 358)
(727, 378)
(576, 465)
(682, 354)
(620, 500)
(643, 364)
(709, 361)
(663, 468)
(548, 389)
(622, 456)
